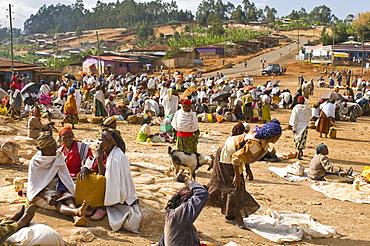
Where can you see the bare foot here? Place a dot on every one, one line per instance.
(18, 214)
(27, 216)
(82, 209)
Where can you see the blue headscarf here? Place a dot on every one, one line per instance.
(319, 148)
(71, 90)
(269, 130)
(74, 85)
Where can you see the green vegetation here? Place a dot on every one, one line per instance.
(201, 36)
(127, 13)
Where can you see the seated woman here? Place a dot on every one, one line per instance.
(321, 166)
(75, 152)
(144, 132)
(49, 184)
(34, 124)
(120, 201)
(110, 123)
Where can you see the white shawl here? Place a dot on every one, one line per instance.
(299, 119)
(42, 171)
(185, 121)
(328, 108)
(170, 105)
(120, 187)
(120, 193)
(99, 96)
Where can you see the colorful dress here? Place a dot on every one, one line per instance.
(70, 110)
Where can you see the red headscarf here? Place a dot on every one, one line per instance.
(186, 101)
(300, 99)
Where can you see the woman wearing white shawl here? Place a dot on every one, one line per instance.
(99, 102)
(170, 103)
(185, 123)
(327, 116)
(120, 199)
(49, 184)
(301, 115)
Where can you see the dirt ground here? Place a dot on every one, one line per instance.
(272, 192)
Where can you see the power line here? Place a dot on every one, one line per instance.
(21, 15)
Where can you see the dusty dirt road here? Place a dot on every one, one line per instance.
(272, 192)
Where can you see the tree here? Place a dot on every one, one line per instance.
(362, 26)
(349, 18)
(57, 29)
(238, 15)
(325, 39)
(143, 31)
(270, 14)
(320, 15)
(216, 29)
(79, 33)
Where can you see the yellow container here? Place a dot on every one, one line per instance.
(332, 133)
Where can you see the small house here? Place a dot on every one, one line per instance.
(109, 64)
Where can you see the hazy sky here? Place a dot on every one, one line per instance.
(341, 8)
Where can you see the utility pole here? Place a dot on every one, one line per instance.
(332, 52)
(298, 42)
(363, 54)
(11, 36)
(98, 45)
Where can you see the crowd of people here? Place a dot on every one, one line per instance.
(177, 103)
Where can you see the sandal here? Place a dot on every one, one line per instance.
(240, 225)
(99, 214)
(80, 221)
(89, 211)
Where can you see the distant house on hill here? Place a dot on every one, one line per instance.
(155, 50)
(210, 52)
(231, 49)
(142, 58)
(250, 46)
(34, 72)
(109, 64)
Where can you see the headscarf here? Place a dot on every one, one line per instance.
(71, 90)
(269, 130)
(319, 148)
(146, 119)
(187, 102)
(34, 110)
(182, 196)
(109, 121)
(238, 129)
(300, 99)
(247, 127)
(64, 130)
(113, 138)
(45, 140)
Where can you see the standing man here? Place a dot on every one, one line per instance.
(245, 63)
(185, 124)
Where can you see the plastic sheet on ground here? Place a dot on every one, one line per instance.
(283, 172)
(282, 227)
(343, 192)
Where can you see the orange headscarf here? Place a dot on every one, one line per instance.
(64, 130)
